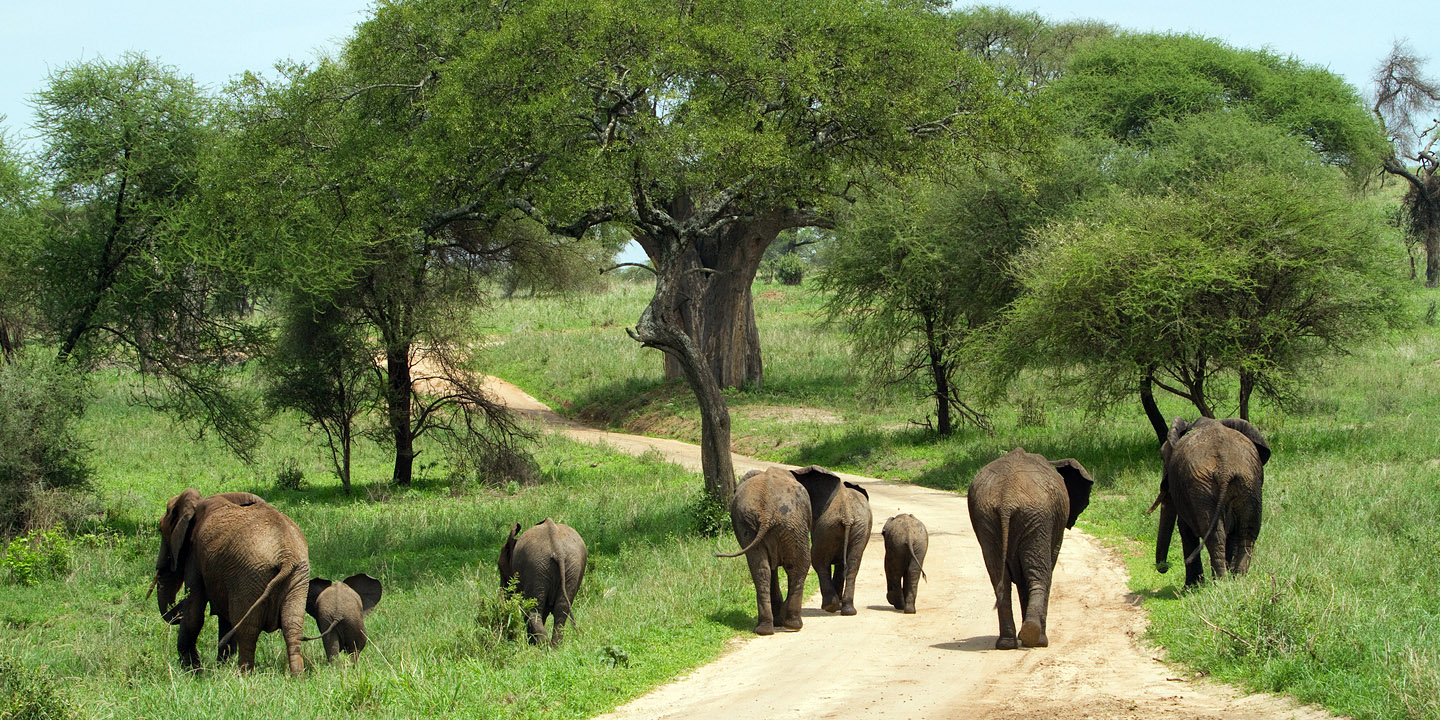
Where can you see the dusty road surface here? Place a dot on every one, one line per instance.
(941, 661)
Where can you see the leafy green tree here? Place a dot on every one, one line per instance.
(20, 232)
(1404, 99)
(1028, 51)
(1253, 269)
(118, 278)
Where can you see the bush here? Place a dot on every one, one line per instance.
(27, 694)
(40, 403)
(789, 269)
(501, 617)
(709, 516)
(289, 476)
(38, 555)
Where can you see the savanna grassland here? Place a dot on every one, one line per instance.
(654, 600)
(1341, 606)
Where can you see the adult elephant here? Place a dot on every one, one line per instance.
(771, 518)
(1020, 505)
(244, 559)
(1214, 471)
(547, 563)
(839, 532)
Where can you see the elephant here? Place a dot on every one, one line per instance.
(1020, 505)
(906, 542)
(340, 609)
(1214, 471)
(770, 514)
(546, 563)
(840, 530)
(244, 559)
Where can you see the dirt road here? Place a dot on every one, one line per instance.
(940, 662)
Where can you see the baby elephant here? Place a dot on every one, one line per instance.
(548, 563)
(905, 544)
(339, 609)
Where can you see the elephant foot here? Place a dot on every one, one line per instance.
(831, 606)
(848, 610)
(1033, 635)
(794, 624)
(1006, 643)
(894, 599)
(909, 609)
(765, 629)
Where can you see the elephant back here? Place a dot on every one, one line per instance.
(239, 549)
(1210, 447)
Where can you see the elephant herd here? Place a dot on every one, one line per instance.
(249, 565)
(1020, 505)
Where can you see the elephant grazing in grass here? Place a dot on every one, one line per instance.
(244, 559)
(1214, 471)
(547, 563)
(340, 609)
(1020, 506)
(840, 530)
(771, 517)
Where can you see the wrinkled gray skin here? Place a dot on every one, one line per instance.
(906, 542)
(244, 559)
(1020, 506)
(839, 532)
(340, 608)
(1214, 471)
(771, 518)
(549, 562)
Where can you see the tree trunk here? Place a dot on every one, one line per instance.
(1247, 386)
(1152, 411)
(715, 305)
(397, 402)
(345, 461)
(941, 378)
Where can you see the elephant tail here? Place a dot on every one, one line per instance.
(1004, 556)
(285, 573)
(764, 528)
(569, 600)
(1220, 502)
(333, 623)
(910, 543)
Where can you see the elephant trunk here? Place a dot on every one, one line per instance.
(1163, 535)
(169, 587)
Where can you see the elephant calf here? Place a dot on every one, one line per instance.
(771, 517)
(906, 542)
(340, 608)
(1020, 505)
(547, 563)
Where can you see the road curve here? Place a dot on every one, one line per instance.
(941, 661)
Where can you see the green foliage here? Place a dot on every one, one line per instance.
(31, 694)
(289, 476)
(1120, 87)
(502, 617)
(41, 401)
(789, 269)
(40, 554)
(709, 515)
(21, 228)
(1028, 51)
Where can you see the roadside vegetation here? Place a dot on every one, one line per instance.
(1336, 610)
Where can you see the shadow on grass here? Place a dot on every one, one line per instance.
(610, 404)
(733, 618)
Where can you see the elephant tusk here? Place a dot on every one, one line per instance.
(154, 581)
(1155, 504)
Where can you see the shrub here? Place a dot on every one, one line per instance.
(46, 553)
(289, 476)
(709, 515)
(27, 694)
(40, 402)
(789, 269)
(501, 617)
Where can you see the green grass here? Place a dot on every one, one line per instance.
(653, 593)
(1342, 605)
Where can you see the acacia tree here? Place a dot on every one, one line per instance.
(1254, 263)
(20, 228)
(1404, 99)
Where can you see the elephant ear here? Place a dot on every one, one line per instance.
(1077, 486)
(1178, 427)
(369, 590)
(179, 517)
(1250, 431)
(507, 553)
(820, 484)
(317, 586)
(853, 486)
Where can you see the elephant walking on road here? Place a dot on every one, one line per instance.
(840, 530)
(547, 563)
(244, 559)
(1020, 506)
(906, 542)
(771, 518)
(1214, 471)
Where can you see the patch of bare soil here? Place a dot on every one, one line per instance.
(788, 414)
(771, 295)
(940, 662)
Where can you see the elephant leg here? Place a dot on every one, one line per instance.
(535, 626)
(1035, 593)
(1247, 530)
(562, 616)
(777, 595)
(895, 575)
(851, 570)
(332, 645)
(1007, 640)
(761, 575)
(795, 578)
(223, 652)
(246, 637)
(1215, 545)
(1189, 544)
(912, 585)
(292, 625)
(192, 621)
(829, 594)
